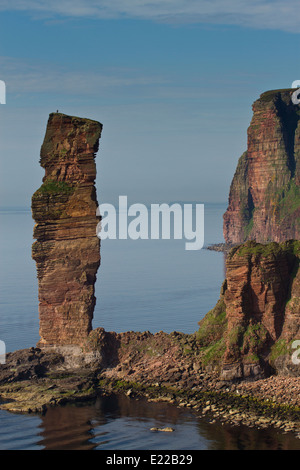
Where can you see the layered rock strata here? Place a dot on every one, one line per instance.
(67, 249)
(264, 198)
(251, 330)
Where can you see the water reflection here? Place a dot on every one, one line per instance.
(118, 422)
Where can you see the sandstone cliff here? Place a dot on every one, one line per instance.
(264, 199)
(250, 331)
(67, 250)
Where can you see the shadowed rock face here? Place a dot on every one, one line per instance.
(260, 281)
(256, 319)
(264, 198)
(67, 249)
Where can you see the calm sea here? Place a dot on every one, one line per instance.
(141, 285)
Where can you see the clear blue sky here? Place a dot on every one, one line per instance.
(172, 82)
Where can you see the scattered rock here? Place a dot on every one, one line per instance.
(166, 429)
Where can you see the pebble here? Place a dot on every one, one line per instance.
(166, 429)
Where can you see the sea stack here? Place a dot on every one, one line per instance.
(264, 199)
(250, 332)
(67, 249)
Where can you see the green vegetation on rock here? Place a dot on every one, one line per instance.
(211, 334)
(49, 201)
(289, 201)
(280, 348)
(248, 228)
(213, 354)
(270, 94)
(254, 339)
(50, 187)
(265, 250)
(213, 325)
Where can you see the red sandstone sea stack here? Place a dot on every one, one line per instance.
(264, 199)
(67, 249)
(250, 332)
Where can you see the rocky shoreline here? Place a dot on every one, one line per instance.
(146, 365)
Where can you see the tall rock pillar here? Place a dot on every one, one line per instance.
(67, 249)
(264, 198)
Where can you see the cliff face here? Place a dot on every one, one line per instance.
(251, 329)
(264, 199)
(67, 250)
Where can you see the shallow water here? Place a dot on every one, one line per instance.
(121, 423)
